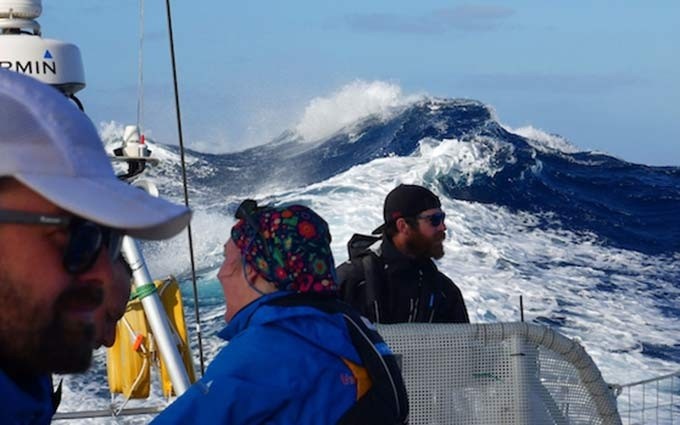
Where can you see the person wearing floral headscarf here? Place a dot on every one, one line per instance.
(284, 364)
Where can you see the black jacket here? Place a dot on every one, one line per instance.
(389, 287)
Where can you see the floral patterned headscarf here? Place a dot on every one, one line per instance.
(290, 247)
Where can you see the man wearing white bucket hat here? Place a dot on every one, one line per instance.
(63, 213)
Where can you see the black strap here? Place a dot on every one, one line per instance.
(386, 402)
(374, 285)
(363, 278)
(56, 396)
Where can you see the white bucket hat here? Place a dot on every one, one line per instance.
(49, 145)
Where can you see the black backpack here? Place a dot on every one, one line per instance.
(362, 278)
(386, 402)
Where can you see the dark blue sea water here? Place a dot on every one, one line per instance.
(627, 205)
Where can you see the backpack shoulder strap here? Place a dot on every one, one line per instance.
(56, 395)
(374, 278)
(362, 278)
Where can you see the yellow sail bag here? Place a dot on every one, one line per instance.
(129, 360)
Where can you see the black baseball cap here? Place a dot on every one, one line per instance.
(407, 200)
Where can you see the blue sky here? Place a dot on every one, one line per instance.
(603, 74)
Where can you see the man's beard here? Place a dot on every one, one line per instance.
(70, 344)
(41, 339)
(423, 247)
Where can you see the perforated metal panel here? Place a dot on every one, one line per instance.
(513, 373)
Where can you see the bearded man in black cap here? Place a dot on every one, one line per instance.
(392, 279)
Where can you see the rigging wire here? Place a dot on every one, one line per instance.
(140, 70)
(184, 182)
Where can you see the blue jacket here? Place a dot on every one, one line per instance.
(282, 366)
(27, 403)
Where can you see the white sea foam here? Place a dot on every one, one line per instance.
(110, 131)
(544, 141)
(462, 161)
(358, 99)
(209, 232)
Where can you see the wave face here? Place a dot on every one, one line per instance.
(291, 162)
(590, 241)
(626, 205)
(525, 207)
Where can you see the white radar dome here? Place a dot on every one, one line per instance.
(23, 50)
(51, 61)
(21, 9)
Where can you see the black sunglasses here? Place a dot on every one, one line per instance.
(85, 241)
(435, 219)
(245, 212)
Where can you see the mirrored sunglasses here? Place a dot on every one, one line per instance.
(435, 219)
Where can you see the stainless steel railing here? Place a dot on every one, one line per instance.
(651, 401)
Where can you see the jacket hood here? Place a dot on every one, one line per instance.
(326, 331)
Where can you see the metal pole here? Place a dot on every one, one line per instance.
(158, 320)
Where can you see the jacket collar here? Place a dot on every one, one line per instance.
(241, 319)
(29, 401)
